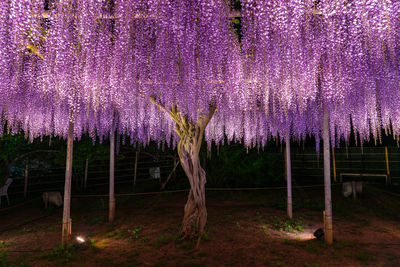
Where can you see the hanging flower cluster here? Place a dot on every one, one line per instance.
(339, 55)
(101, 63)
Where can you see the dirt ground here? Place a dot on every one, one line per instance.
(243, 229)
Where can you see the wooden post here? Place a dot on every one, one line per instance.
(86, 174)
(389, 181)
(135, 172)
(289, 178)
(169, 176)
(334, 164)
(67, 224)
(327, 181)
(112, 162)
(26, 179)
(175, 164)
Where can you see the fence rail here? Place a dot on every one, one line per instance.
(306, 165)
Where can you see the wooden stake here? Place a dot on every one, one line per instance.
(288, 178)
(67, 224)
(327, 181)
(169, 176)
(334, 164)
(389, 181)
(26, 179)
(112, 163)
(175, 164)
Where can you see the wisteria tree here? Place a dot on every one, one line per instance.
(176, 72)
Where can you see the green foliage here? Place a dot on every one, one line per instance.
(126, 233)
(92, 245)
(3, 244)
(134, 234)
(205, 236)
(61, 254)
(116, 234)
(287, 225)
(264, 228)
(10, 147)
(162, 240)
(3, 259)
(234, 166)
(364, 256)
(188, 245)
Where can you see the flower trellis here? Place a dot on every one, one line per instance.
(91, 62)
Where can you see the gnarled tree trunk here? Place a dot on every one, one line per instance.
(191, 137)
(195, 217)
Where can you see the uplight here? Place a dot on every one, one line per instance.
(80, 239)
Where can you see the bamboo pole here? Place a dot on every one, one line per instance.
(334, 164)
(327, 181)
(26, 179)
(86, 173)
(135, 172)
(389, 180)
(66, 228)
(289, 178)
(112, 163)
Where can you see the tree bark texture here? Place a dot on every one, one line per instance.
(327, 181)
(191, 136)
(111, 214)
(289, 179)
(66, 228)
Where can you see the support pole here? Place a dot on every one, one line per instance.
(66, 227)
(176, 164)
(353, 188)
(86, 173)
(135, 172)
(289, 179)
(334, 164)
(26, 179)
(327, 181)
(387, 166)
(169, 176)
(112, 162)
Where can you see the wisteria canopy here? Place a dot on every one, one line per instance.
(92, 60)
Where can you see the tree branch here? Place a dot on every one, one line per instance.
(34, 50)
(174, 113)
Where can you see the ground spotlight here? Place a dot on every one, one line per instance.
(80, 242)
(80, 239)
